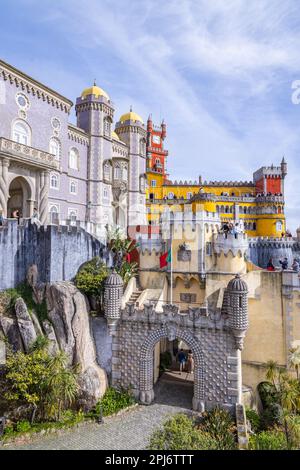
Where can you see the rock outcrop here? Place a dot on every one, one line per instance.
(67, 328)
(25, 324)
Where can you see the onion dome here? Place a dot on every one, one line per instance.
(114, 280)
(237, 285)
(96, 91)
(131, 116)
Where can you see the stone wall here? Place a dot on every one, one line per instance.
(57, 252)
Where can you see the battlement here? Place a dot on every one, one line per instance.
(234, 244)
(199, 317)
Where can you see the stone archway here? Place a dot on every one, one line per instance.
(146, 391)
(19, 197)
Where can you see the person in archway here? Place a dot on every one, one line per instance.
(16, 215)
(182, 360)
(190, 362)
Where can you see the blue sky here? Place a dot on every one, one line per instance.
(219, 73)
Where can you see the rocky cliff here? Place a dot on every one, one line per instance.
(67, 327)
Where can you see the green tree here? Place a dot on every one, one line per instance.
(90, 278)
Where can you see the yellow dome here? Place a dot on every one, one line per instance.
(115, 135)
(131, 116)
(94, 90)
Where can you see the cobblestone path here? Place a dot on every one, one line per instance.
(129, 431)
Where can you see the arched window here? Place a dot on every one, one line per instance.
(74, 159)
(107, 171)
(189, 195)
(21, 132)
(218, 209)
(125, 173)
(171, 196)
(105, 192)
(107, 126)
(279, 226)
(143, 147)
(117, 173)
(54, 181)
(72, 215)
(254, 225)
(54, 216)
(73, 187)
(54, 147)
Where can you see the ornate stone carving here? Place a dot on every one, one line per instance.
(184, 253)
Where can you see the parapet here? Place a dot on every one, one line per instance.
(231, 243)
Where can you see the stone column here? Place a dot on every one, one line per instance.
(4, 164)
(43, 197)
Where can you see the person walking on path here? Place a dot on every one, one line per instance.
(190, 362)
(182, 361)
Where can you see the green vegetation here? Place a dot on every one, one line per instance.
(113, 401)
(68, 419)
(165, 361)
(215, 431)
(39, 381)
(90, 278)
(268, 440)
(8, 299)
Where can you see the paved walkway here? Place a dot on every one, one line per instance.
(130, 431)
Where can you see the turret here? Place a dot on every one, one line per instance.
(237, 291)
(131, 130)
(163, 130)
(149, 124)
(283, 168)
(113, 293)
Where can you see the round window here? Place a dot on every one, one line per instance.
(22, 101)
(56, 123)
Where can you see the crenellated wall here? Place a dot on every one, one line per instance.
(58, 252)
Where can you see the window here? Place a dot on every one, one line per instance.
(171, 196)
(142, 147)
(107, 171)
(54, 181)
(22, 101)
(54, 147)
(72, 215)
(73, 159)
(105, 193)
(153, 183)
(189, 195)
(107, 127)
(279, 226)
(118, 173)
(73, 187)
(125, 173)
(54, 216)
(21, 133)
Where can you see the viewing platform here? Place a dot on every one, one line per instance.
(26, 154)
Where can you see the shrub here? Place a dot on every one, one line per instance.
(254, 419)
(220, 425)
(271, 416)
(23, 426)
(113, 401)
(180, 432)
(267, 393)
(39, 380)
(91, 276)
(268, 440)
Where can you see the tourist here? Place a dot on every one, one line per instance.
(182, 360)
(190, 362)
(296, 266)
(35, 217)
(1, 219)
(284, 264)
(270, 265)
(225, 229)
(16, 215)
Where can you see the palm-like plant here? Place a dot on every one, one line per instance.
(294, 361)
(61, 386)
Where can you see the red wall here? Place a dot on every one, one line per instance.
(273, 185)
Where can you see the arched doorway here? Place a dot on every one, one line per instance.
(146, 365)
(19, 197)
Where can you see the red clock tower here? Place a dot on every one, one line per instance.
(156, 155)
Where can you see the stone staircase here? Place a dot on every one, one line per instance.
(134, 296)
